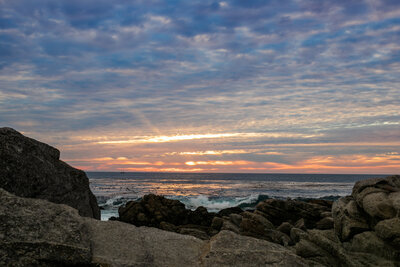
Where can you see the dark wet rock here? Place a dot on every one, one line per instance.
(236, 219)
(296, 234)
(29, 168)
(285, 228)
(151, 210)
(217, 223)
(325, 223)
(228, 211)
(278, 211)
(200, 216)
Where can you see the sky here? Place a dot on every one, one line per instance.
(297, 86)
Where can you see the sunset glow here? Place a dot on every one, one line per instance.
(201, 86)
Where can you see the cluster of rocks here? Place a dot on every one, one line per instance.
(358, 230)
(272, 220)
(35, 232)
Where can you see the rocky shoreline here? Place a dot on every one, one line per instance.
(49, 217)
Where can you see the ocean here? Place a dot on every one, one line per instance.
(216, 191)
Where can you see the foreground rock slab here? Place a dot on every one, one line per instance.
(35, 232)
(29, 168)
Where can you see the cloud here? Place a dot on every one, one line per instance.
(158, 69)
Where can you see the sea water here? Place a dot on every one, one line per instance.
(216, 191)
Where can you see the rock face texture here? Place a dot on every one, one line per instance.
(35, 232)
(263, 223)
(366, 228)
(29, 168)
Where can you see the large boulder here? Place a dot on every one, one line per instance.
(151, 210)
(29, 168)
(35, 232)
(230, 249)
(349, 219)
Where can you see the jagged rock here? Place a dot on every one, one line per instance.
(29, 168)
(278, 211)
(379, 198)
(217, 223)
(296, 234)
(151, 210)
(35, 232)
(348, 218)
(368, 242)
(230, 249)
(285, 228)
(300, 224)
(200, 216)
(255, 225)
(389, 230)
(236, 219)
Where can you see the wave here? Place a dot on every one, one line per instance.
(110, 205)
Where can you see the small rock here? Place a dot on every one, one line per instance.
(285, 228)
(325, 223)
(217, 223)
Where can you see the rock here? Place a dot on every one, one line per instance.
(228, 211)
(230, 249)
(151, 210)
(279, 211)
(229, 226)
(217, 223)
(379, 198)
(200, 216)
(325, 223)
(194, 232)
(285, 228)
(296, 234)
(35, 232)
(120, 244)
(255, 225)
(300, 224)
(389, 230)
(236, 219)
(168, 227)
(378, 205)
(368, 242)
(29, 168)
(348, 218)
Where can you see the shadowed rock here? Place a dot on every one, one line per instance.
(29, 168)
